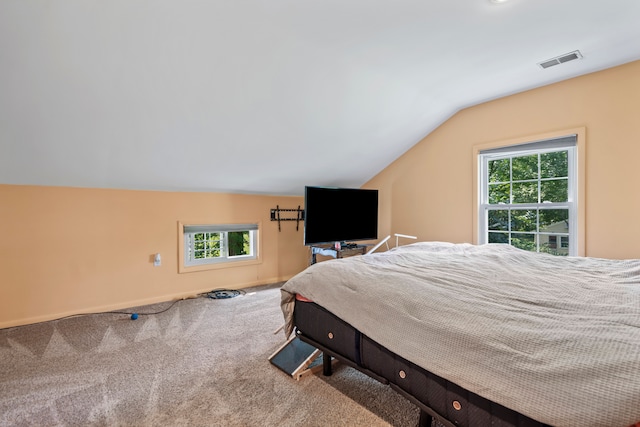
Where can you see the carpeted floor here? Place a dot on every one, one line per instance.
(203, 362)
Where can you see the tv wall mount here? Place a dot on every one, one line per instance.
(275, 216)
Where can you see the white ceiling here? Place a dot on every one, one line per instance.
(258, 96)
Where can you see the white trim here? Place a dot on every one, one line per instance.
(564, 143)
(188, 231)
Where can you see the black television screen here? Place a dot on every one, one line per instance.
(339, 215)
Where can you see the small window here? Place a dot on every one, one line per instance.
(211, 244)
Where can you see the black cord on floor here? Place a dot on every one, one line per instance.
(143, 314)
(128, 313)
(213, 294)
(223, 293)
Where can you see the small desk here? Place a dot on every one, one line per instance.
(343, 252)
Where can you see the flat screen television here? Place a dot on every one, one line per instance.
(339, 215)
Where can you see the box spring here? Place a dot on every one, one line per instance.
(437, 398)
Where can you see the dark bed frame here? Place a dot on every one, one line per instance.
(437, 398)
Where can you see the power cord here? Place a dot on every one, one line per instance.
(134, 315)
(223, 293)
(213, 294)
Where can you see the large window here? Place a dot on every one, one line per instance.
(528, 196)
(209, 244)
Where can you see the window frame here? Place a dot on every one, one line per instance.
(578, 188)
(522, 151)
(185, 244)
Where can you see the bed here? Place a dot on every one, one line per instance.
(481, 335)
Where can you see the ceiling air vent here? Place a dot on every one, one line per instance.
(561, 59)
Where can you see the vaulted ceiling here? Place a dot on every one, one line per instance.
(258, 96)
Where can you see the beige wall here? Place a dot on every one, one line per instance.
(429, 191)
(70, 250)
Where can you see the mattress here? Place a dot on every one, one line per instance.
(449, 403)
(556, 339)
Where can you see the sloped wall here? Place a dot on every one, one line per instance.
(429, 191)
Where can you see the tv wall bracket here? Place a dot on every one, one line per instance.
(275, 216)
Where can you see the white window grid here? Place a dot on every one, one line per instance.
(214, 254)
(569, 205)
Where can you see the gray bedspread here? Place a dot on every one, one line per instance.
(554, 338)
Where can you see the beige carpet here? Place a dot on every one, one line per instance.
(203, 362)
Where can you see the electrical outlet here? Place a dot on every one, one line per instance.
(157, 260)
